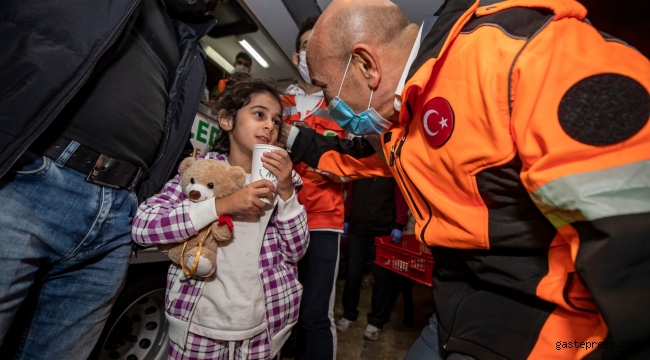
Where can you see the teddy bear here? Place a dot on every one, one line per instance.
(202, 180)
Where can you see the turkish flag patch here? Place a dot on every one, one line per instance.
(437, 121)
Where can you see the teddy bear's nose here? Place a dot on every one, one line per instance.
(195, 195)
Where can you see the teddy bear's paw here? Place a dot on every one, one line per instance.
(221, 233)
(204, 268)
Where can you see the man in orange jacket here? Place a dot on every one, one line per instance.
(519, 135)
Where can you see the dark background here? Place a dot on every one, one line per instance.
(628, 20)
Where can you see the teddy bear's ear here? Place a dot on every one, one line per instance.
(238, 175)
(185, 164)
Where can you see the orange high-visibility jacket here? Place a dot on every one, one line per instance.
(523, 150)
(222, 84)
(322, 197)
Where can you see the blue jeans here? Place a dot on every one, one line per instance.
(427, 346)
(64, 253)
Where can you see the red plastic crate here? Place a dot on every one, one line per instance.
(410, 258)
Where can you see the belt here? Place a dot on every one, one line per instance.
(101, 169)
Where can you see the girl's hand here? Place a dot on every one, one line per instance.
(279, 163)
(246, 200)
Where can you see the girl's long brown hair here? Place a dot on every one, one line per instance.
(235, 96)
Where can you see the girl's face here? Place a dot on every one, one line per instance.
(257, 123)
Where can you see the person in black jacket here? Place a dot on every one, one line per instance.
(97, 100)
(374, 207)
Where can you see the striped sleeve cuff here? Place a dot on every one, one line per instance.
(203, 213)
(293, 133)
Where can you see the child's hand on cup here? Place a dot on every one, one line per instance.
(279, 163)
(246, 200)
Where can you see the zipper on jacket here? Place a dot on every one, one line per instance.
(426, 203)
(404, 178)
(399, 168)
(401, 143)
(193, 54)
(110, 43)
(567, 299)
(168, 124)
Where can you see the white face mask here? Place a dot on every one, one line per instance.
(242, 68)
(302, 67)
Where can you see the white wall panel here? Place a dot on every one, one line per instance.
(277, 21)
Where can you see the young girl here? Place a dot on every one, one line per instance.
(246, 309)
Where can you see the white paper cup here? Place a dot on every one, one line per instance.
(258, 171)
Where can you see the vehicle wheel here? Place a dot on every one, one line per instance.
(136, 329)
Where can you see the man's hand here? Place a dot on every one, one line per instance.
(246, 200)
(284, 134)
(279, 163)
(397, 236)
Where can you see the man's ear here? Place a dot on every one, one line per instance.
(185, 164)
(295, 58)
(225, 120)
(365, 58)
